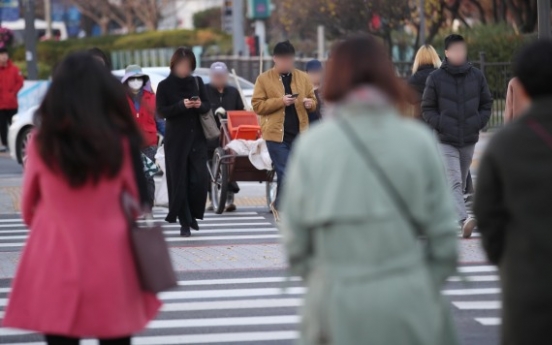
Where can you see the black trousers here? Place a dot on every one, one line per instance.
(5, 122)
(59, 340)
(150, 152)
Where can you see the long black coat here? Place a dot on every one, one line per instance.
(513, 206)
(185, 148)
(457, 103)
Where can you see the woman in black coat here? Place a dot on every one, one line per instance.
(181, 98)
(425, 62)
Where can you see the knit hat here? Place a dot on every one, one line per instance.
(313, 66)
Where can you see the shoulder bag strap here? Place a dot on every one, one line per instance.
(382, 176)
(539, 130)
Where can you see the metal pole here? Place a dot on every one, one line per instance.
(30, 40)
(260, 31)
(48, 18)
(321, 42)
(238, 37)
(422, 23)
(544, 18)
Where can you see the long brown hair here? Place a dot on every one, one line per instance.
(83, 118)
(362, 60)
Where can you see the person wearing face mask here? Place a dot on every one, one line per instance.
(142, 104)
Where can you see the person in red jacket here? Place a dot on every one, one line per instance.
(11, 82)
(142, 104)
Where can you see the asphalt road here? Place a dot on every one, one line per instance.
(8, 166)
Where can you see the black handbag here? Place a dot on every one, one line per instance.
(208, 123)
(372, 163)
(149, 249)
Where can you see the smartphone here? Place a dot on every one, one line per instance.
(295, 95)
(194, 98)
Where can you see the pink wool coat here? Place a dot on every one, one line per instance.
(76, 276)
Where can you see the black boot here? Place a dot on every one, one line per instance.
(185, 231)
(194, 225)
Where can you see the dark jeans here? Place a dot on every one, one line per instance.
(279, 153)
(5, 122)
(59, 340)
(150, 152)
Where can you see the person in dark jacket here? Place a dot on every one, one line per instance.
(11, 82)
(181, 98)
(513, 204)
(228, 98)
(426, 61)
(457, 105)
(314, 70)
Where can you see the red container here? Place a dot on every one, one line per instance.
(243, 125)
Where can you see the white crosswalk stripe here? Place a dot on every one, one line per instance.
(234, 308)
(248, 308)
(233, 228)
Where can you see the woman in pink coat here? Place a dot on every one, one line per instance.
(77, 277)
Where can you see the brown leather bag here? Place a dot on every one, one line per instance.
(150, 250)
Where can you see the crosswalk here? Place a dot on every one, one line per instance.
(261, 307)
(228, 229)
(245, 227)
(250, 306)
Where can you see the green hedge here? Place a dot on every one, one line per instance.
(49, 53)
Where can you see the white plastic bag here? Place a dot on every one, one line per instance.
(161, 191)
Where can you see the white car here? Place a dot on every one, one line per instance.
(23, 123)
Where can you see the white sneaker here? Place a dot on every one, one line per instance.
(468, 227)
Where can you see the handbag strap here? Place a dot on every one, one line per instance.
(540, 131)
(372, 163)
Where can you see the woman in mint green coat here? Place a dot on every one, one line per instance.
(370, 280)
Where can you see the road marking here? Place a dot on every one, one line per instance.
(489, 278)
(477, 269)
(225, 321)
(239, 337)
(188, 323)
(467, 292)
(479, 305)
(219, 225)
(204, 225)
(230, 293)
(169, 232)
(235, 304)
(489, 321)
(220, 238)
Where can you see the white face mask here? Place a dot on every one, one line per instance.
(136, 83)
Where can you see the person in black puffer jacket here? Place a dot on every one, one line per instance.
(457, 104)
(426, 61)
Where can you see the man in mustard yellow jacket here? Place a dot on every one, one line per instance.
(283, 97)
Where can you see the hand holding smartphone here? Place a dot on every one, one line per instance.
(194, 98)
